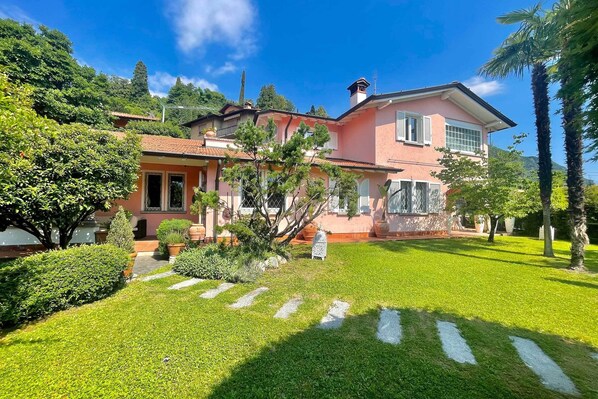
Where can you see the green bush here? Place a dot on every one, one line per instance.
(41, 284)
(156, 128)
(121, 233)
(174, 238)
(214, 263)
(167, 226)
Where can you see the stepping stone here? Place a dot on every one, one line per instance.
(453, 344)
(185, 284)
(551, 375)
(594, 356)
(288, 308)
(336, 315)
(159, 275)
(247, 300)
(211, 294)
(389, 326)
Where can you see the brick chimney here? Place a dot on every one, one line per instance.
(358, 90)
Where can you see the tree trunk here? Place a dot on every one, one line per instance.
(573, 128)
(493, 227)
(541, 100)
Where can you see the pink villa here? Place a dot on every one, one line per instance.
(384, 136)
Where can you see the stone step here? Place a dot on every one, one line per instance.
(247, 300)
(389, 327)
(453, 344)
(288, 308)
(157, 276)
(551, 375)
(211, 294)
(335, 316)
(185, 284)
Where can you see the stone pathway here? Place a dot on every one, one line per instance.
(211, 294)
(157, 276)
(335, 317)
(389, 327)
(551, 375)
(247, 300)
(288, 308)
(453, 344)
(147, 262)
(185, 284)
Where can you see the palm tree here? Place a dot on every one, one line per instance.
(531, 47)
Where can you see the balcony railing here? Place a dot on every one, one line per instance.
(226, 131)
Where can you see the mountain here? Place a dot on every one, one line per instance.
(530, 163)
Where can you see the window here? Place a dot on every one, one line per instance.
(153, 192)
(414, 197)
(340, 204)
(176, 193)
(274, 200)
(462, 136)
(161, 194)
(412, 127)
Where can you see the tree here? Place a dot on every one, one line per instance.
(242, 91)
(55, 176)
(495, 186)
(139, 87)
(276, 180)
(270, 99)
(320, 111)
(531, 46)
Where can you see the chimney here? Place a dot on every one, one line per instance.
(358, 90)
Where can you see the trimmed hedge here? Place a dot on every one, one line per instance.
(41, 284)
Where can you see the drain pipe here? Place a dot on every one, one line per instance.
(286, 129)
(217, 188)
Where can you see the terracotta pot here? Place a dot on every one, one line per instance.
(479, 226)
(210, 133)
(128, 272)
(197, 232)
(175, 249)
(309, 231)
(381, 228)
(101, 236)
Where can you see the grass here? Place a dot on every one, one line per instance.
(117, 347)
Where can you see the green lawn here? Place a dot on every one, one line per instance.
(116, 347)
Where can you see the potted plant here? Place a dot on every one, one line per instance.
(175, 243)
(209, 131)
(121, 235)
(479, 221)
(201, 202)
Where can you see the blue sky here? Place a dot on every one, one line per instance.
(310, 50)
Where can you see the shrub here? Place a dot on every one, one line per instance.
(156, 128)
(174, 238)
(214, 263)
(41, 284)
(168, 226)
(121, 233)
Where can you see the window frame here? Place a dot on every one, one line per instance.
(183, 202)
(418, 128)
(247, 210)
(410, 212)
(164, 192)
(463, 125)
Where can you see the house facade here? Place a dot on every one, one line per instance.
(387, 136)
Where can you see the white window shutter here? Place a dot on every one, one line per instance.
(400, 125)
(333, 203)
(435, 198)
(427, 130)
(364, 196)
(395, 201)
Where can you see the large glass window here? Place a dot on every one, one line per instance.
(176, 185)
(414, 197)
(420, 202)
(460, 138)
(153, 192)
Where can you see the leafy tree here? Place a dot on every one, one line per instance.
(285, 194)
(56, 176)
(139, 87)
(156, 128)
(320, 111)
(531, 46)
(270, 99)
(191, 96)
(495, 186)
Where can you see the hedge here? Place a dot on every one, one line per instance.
(41, 284)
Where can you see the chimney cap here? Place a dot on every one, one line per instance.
(359, 82)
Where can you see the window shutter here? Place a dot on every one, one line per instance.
(394, 202)
(364, 196)
(400, 126)
(427, 130)
(333, 142)
(435, 198)
(333, 203)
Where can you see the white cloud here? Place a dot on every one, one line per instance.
(160, 82)
(483, 87)
(198, 23)
(13, 12)
(227, 67)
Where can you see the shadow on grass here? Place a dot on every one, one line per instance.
(352, 363)
(19, 341)
(576, 283)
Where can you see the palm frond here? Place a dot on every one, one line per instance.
(520, 16)
(511, 58)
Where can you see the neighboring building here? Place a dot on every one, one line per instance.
(387, 136)
(121, 119)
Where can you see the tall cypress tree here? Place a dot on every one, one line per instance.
(139, 86)
(242, 92)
